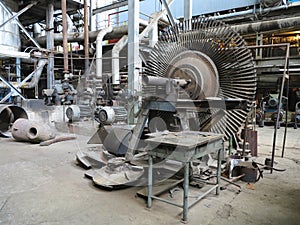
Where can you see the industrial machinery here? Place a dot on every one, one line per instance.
(216, 63)
(200, 76)
(267, 111)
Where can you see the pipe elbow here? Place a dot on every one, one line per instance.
(103, 32)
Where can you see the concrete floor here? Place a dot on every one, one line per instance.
(43, 185)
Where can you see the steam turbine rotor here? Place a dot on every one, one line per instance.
(214, 59)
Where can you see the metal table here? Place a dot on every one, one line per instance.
(183, 147)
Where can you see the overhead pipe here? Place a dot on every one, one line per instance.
(14, 54)
(99, 41)
(267, 26)
(117, 32)
(124, 40)
(250, 12)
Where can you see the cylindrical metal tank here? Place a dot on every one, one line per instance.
(8, 115)
(9, 33)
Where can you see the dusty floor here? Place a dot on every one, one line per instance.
(43, 185)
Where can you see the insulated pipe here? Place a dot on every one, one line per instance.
(250, 12)
(267, 26)
(14, 54)
(117, 32)
(99, 41)
(30, 131)
(115, 59)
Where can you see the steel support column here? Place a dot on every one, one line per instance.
(259, 41)
(86, 37)
(50, 43)
(170, 16)
(133, 51)
(65, 37)
(188, 6)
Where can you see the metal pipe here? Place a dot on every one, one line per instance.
(115, 59)
(151, 27)
(267, 26)
(158, 81)
(14, 54)
(86, 38)
(117, 32)
(249, 12)
(133, 63)
(170, 16)
(50, 43)
(188, 9)
(186, 191)
(286, 118)
(150, 181)
(65, 38)
(284, 76)
(99, 41)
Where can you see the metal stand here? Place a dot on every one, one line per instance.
(183, 147)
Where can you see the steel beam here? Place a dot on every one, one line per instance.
(19, 24)
(188, 6)
(115, 5)
(65, 33)
(133, 50)
(18, 13)
(50, 43)
(86, 37)
(12, 87)
(170, 16)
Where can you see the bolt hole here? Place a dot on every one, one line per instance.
(33, 131)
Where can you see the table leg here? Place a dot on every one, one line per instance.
(186, 192)
(218, 172)
(150, 181)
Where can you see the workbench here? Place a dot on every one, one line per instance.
(184, 147)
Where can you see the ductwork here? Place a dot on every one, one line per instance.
(99, 41)
(35, 77)
(268, 26)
